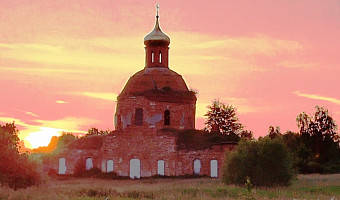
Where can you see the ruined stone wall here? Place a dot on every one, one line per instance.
(149, 147)
(182, 115)
(186, 158)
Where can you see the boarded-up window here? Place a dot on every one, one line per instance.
(197, 166)
(62, 166)
(89, 164)
(134, 168)
(213, 168)
(109, 167)
(166, 117)
(160, 167)
(139, 117)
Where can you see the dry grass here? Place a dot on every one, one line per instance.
(305, 187)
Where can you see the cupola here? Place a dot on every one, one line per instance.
(156, 47)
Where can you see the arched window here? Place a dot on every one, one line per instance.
(152, 57)
(160, 167)
(213, 168)
(197, 166)
(166, 117)
(160, 57)
(89, 164)
(139, 117)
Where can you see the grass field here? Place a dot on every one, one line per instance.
(305, 187)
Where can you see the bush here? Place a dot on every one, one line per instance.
(16, 170)
(266, 162)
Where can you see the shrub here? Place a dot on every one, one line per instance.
(266, 162)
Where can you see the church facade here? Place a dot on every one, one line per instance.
(153, 109)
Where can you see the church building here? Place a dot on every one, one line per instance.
(154, 112)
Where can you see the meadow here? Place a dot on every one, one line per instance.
(304, 187)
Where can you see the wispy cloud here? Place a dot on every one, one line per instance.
(318, 97)
(99, 95)
(300, 65)
(253, 45)
(32, 114)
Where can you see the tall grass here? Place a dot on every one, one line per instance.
(305, 187)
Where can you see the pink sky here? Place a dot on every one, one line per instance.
(62, 63)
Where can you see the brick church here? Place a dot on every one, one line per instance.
(154, 110)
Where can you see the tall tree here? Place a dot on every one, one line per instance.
(222, 119)
(319, 133)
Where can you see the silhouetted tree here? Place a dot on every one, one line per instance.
(16, 170)
(222, 119)
(320, 137)
(274, 132)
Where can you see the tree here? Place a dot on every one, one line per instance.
(95, 131)
(222, 119)
(16, 170)
(266, 162)
(321, 124)
(274, 132)
(319, 135)
(246, 134)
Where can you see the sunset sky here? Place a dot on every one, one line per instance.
(63, 63)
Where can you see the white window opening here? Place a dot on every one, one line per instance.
(89, 164)
(62, 166)
(160, 167)
(160, 57)
(109, 167)
(134, 168)
(103, 167)
(152, 57)
(213, 168)
(197, 166)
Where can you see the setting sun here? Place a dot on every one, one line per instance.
(63, 63)
(42, 137)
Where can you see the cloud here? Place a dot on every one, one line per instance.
(252, 45)
(318, 97)
(41, 133)
(11, 119)
(242, 105)
(61, 102)
(32, 114)
(296, 65)
(99, 95)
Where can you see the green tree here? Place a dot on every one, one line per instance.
(266, 162)
(222, 119)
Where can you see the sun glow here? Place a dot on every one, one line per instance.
(42, 137)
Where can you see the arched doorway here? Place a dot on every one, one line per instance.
(89, 164)
(213, 168)
(197, 166)
(134, 168)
